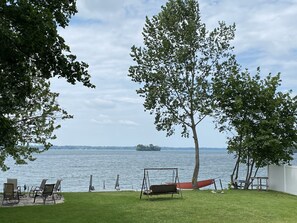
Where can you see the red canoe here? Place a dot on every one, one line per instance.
(188, 185)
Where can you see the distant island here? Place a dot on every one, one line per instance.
(150, 147)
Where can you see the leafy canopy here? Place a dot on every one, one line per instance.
(262, 119)
(176, 63)
(32, 52)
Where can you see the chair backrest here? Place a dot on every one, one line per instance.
(43, 182)
(58, 185)
(8, 190)
(48, 189)
(14, 182)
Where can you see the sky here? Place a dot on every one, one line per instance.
(102, 33)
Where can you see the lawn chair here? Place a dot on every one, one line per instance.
(45, 193)
(57, 189)
(9, 193)
(15, 186)
(35, 190)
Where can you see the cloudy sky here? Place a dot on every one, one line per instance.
(102, 33)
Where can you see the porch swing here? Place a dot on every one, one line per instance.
(163, 188)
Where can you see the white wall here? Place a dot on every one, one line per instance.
(283, 178)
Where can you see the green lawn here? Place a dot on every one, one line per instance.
(195, 206)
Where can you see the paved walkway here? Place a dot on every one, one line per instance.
(28, 201)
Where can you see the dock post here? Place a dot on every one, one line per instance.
(117, 184)
(91, 187)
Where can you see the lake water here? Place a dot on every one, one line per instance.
(75, 166)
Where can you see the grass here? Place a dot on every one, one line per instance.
(195, 206)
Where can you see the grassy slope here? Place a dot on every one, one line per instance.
(195, 206)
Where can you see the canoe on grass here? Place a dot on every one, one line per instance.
(200, 184)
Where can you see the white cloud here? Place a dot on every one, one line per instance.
(128, 123)
(106, 120)
(113, 11)
(100, 103)
(90, 9)
(102, 122)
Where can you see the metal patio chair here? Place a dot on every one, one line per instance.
(57, 189)
(37, 189)
(45, 193)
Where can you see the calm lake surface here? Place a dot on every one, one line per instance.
(75, 166)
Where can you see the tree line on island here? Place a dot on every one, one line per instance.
(150, 147)
(185, 71)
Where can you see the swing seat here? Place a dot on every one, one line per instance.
(162, 189)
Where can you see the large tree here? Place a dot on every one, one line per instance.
(263, 121)
(175, 67)
(32, 51)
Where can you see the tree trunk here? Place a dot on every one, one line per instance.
(236, 168)
(197, 163)
(248, 178)
(235, 172)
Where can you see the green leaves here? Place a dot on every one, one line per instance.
(263, 120)
(30, 41)
(32, 125)
(32, 52)
(175, 65)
